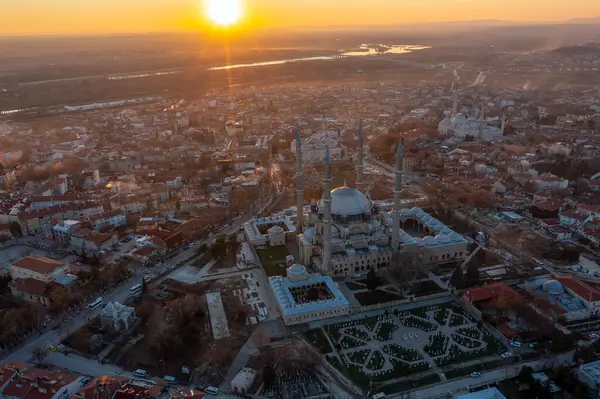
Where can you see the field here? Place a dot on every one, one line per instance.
(272, 260)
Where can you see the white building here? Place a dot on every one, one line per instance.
(62, 231)
(117, 316)
(314, 148)
(303, 297)
(243, 380)
(257, 230)
(459, 126)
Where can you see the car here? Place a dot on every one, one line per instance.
(516, 344)
(506, 355)
(594, 335)
(180, 261)
(475, 374)
(146, 271)
(52, 348)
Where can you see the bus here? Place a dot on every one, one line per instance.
(136, 290)
(96, 304)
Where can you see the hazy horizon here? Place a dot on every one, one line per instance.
(96, 17)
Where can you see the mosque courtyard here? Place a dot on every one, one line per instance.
(404, 342)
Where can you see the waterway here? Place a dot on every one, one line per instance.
(361, 51)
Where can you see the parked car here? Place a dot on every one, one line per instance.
(506, 355)
(475, 374)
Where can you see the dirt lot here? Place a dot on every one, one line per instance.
(176, 332)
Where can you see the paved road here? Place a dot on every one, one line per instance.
(459, 386)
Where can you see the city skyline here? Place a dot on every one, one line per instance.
(32, 17)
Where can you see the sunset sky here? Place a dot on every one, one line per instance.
(113, 16)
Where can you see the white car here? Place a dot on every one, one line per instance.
(506, 355)
(515, 344)
(593, 335)
(475, 374)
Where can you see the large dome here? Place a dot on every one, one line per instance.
(348, 201)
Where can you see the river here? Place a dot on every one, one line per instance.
(361, 51)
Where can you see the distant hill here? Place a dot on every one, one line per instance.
(582, 50)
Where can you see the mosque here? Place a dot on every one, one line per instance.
(346, 233)
(477, 126)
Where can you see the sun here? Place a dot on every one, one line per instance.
(223, 12)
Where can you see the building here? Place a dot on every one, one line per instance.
(565, 297)
(63, 231)
(346, 233)
(257, 230)
(30, 289)
(108, 219)
(20, 381)
(302, 297)
(243, 380)
(218, 318)
(314, 148)
(589, 374)
(37, 268)
(90, 242)
(459, 126)
(489, 393)
(117, 317)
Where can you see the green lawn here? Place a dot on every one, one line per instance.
(318, 339)
(376, 362)
(271, 259)
(358, 356)
(421, 324)
(385, 330)
(466, 342)
(457, 320)
(402, 353)
(407, 385)
(425, 287)
(376, 296)
(437, 344)
(358, 333)
(349, 342)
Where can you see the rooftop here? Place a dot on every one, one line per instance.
(282, 287)
(38, 264)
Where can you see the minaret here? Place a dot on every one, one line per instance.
(299, 191)
(359, 159)
(326, 267)
(397, 196)
(455, 105)
(503, 126)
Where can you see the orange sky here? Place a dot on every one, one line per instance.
(110, 16)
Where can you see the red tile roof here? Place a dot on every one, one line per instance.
(491, 291)
(144, 251)
(581, 289)
(38, 264)
(18, 388)
(574, 215)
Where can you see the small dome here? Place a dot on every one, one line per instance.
(443, 238)
(429, 240)
(446, 230)
(276, 229)
(296, 270)
(553, 287)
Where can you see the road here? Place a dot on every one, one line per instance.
(459, 386)
(119, 294)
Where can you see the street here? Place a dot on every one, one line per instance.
(459, 386)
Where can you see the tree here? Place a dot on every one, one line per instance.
(372, 280)
(526, 372)
(472, 274)
(457, 279)
(469, 138)
(15, 229)
(269, 375)
(144, 286)
(60, 298)
(39, 354)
